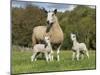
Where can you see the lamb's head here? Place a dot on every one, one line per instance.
(73, 36)
(47, 39)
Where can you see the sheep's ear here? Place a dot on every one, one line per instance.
(45, 10)
(55, 11)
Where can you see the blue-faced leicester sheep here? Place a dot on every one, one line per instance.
(78, 48)
(53, 29)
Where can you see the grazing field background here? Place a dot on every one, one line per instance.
(21, 62)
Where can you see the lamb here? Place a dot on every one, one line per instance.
(43, 48)
(78, 48)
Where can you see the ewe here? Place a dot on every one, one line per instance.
(53, 29)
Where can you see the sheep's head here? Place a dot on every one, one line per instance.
(50, 19)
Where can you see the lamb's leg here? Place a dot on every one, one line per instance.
(73, 55)
(46, 56)
(82, 56)
(78, 53)
(87, 54)
(58, 51)
(82, 52)
(33, 56)
(86, 51)
(36, 56)
(50, 55)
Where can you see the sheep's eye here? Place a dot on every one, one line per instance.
(73, 36)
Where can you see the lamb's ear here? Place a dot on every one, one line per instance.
(45, 10)
(55, 11)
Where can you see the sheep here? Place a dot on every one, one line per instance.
(53, 29)
(43, 48)
(78, 48)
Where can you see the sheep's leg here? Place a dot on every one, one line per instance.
(33, 56)
(58, 51)
(73, 55)
(51, 55)
(78, 53)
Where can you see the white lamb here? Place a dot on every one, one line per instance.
(78, 48)
(43, 48)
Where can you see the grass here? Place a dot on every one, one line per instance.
(21, 63)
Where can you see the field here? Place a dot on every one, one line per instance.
(21, 63)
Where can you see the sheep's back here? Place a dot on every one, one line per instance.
(39, 32)
(82, 46)
(38, 48)
(56, 35)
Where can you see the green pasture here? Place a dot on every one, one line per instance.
(21, 62)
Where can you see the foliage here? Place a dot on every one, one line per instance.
(23, 22)
(81, 20)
